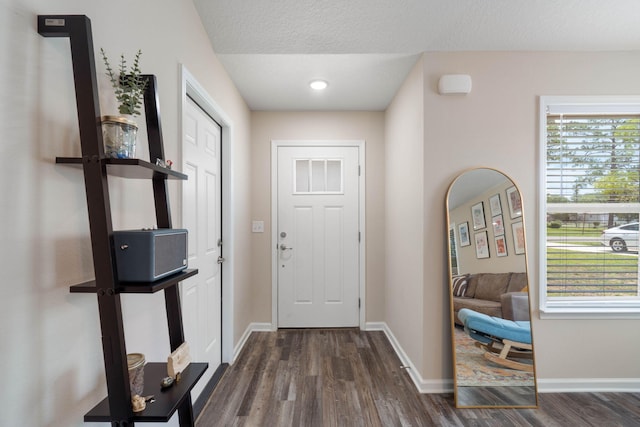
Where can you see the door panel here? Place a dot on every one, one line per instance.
(190, 208)
(318, 247)
(201, 294)
(302, 281)
(212, 215)
(333, 266)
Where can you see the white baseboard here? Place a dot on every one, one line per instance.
(588, 385)
(423, 386)
(255, 326)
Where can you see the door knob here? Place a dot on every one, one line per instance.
(284, 247)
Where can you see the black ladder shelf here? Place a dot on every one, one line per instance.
(116, 408)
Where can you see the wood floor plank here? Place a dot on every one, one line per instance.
(308, 410)
(348, 377)
(252, 387)
(282, 383)
(262, 405)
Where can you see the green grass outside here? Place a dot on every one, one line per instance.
(582, 243)
(572, 273)
(575, 231)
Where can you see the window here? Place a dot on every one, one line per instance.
(453, 247)
(318, 176)
(589, 205)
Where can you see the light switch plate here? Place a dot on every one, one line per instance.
(257, 227)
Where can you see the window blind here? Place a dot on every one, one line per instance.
(592, 183)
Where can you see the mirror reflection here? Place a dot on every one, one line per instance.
(491, 329)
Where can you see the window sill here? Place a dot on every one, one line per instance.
(590, 311)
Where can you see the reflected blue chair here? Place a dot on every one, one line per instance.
(504, 341)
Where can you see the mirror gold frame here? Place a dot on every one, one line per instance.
(492, 339)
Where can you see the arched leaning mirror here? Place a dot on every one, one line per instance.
(491, 329)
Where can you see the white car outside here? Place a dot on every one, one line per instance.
(622, 238)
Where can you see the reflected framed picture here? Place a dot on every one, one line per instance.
(514, 202)
(463, 232)
(495, 205)
(518, 238)
(477, 216)
(501, 246)
(498, 225)
(482, 245)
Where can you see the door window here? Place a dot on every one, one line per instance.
(318, 176)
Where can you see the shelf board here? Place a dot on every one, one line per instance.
(137, 287)
(167, 400)
(129, 168)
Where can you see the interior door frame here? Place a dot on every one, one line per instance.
(361, 145)
(190, 87)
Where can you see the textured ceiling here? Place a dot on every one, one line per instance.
(365, 48)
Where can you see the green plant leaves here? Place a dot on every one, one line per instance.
(128, 84)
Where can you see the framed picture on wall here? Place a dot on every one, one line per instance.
(495, 205)
(501, 246)
(482, 245)
(498, 225)
(514, 202)
(518, 238)
(463, 232)
(477, 215)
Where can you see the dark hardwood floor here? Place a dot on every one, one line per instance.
(346, 377)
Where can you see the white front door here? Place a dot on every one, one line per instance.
(201, 294)
(318, 236)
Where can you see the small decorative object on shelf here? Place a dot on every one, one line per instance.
(166, 382)
(178, 360)
(138, 403)
(164, 163)
(120, 132)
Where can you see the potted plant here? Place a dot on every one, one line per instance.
(120, 131)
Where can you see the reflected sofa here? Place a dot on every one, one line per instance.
(501, 295)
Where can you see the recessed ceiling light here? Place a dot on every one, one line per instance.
(318, 85)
